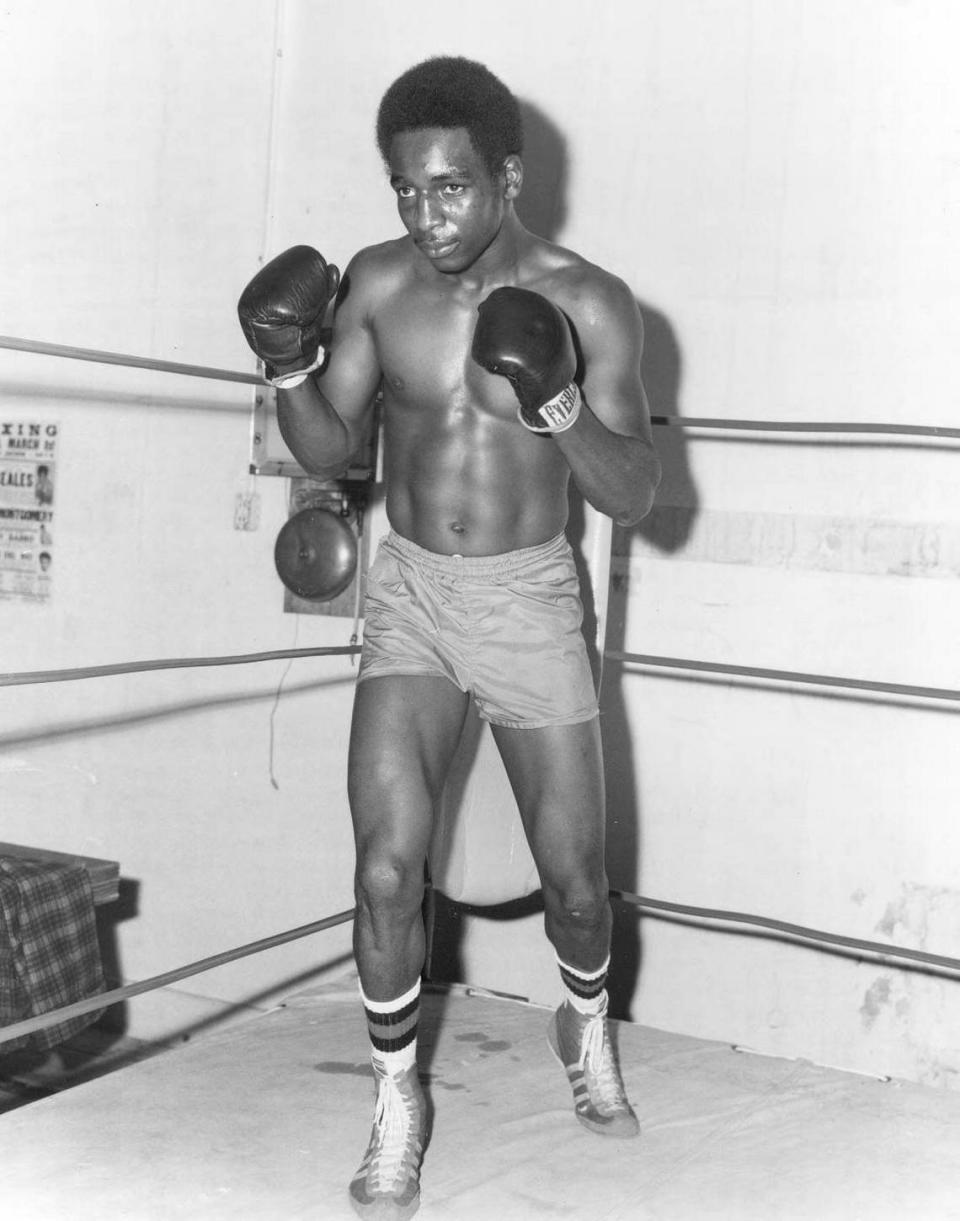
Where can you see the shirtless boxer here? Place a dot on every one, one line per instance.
(507, 365)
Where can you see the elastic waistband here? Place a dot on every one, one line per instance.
(486, 567)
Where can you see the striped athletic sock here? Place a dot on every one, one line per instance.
(393, 1030)
(585, 991)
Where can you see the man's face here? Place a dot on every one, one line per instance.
(450, 204)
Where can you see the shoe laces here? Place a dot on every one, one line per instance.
(596, 1058)
(398, 1142)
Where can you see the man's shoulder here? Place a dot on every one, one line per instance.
(576, 284)
(600, 305)
(374, 276)
(381, 265)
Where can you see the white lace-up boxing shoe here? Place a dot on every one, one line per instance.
(387, 1184)
(582, 1045)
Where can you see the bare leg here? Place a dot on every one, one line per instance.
(557, 778)
(405, 731)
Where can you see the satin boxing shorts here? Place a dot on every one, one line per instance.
(506, 629)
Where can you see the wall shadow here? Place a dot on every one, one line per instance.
(121, 722)
(125, 399)
(542, 206)
(542, 203)
(662, 370)
(115, 1020)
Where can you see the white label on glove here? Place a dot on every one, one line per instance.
(562, 410)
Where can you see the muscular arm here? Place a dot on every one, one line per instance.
(324, 419)
(609, 449)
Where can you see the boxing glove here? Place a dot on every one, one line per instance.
(281, 312)
(526, 339)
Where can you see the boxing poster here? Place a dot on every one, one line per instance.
(28, 455)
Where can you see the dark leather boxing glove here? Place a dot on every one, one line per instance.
(526, 339)
(281, 311)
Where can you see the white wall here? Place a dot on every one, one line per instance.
(134, 210)
(778, 183)
(807, 268)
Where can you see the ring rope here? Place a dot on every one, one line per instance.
(792, 930)
(42, 348)
(103, 1000)
(132, 362)
(821, 426)
(786, 676)
(171, 663)
(668, 663)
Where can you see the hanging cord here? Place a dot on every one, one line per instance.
(276, 705)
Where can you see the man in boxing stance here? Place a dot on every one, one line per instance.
(507, 365)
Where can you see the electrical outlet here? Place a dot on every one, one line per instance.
(246, 511)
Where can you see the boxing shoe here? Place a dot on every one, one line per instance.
(582, 1045)
(386, 1186)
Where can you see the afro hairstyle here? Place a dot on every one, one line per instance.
(450, 91)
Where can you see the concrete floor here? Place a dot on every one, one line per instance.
(268, 1119)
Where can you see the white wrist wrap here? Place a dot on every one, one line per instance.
(287, 381)
(558, 413)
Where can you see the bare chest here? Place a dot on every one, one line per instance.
(424, 341)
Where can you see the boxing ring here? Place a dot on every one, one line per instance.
(267, 1118)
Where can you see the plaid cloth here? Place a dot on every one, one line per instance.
(49, 954)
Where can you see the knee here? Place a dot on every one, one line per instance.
(387, 883)
(584, 903)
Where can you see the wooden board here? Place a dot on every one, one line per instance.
(104, 875)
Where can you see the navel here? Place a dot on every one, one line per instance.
(458, 527)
